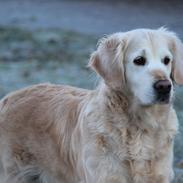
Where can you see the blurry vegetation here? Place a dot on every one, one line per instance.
(52, 55)
(44, 45)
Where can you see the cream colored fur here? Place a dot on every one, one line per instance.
(114, 134)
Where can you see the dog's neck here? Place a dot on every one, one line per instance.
(121, 103)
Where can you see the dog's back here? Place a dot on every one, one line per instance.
(36, 127)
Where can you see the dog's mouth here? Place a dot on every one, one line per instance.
(162, 98)
(162, 90)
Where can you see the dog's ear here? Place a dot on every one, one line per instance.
(177, 69)
(107, 61)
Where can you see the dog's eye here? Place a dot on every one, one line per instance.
(166, 60)
(140, 61)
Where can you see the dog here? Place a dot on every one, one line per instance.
(121, 132)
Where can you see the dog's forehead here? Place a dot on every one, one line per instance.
(155, 42)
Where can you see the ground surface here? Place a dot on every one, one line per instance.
(94, 17)
(99, 17)
(50, 41)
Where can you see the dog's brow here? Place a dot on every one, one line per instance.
(144, 52)
(141, 52)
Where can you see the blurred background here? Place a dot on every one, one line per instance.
(51, 40)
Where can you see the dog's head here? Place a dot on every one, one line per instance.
(142, 62)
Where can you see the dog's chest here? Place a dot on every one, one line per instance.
(140, 144)
(139, 150)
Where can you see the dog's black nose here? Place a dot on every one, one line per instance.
(162, 86)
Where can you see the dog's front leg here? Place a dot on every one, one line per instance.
(104, 168)
(105, 171)
(164, 167)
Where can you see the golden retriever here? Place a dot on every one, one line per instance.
(121, 132)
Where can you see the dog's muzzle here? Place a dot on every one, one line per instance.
(162, 89)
